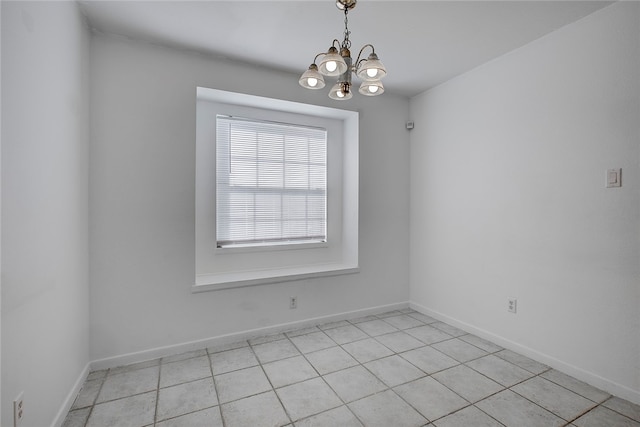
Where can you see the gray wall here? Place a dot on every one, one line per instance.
(142, 169)
(45, 96)
(508, 166)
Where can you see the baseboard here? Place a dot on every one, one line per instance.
(71, 397)
(590, 378)
(141, 356)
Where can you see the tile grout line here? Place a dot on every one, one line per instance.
(319, 375)
(175, 385)
(488, 415)
(504, 388)
(613, 410)
(95, 398)
(345, 404)
(591, 408)
(388, 388)
(273, 389)
(155, 412)
(470, 367)
(215, 387)
(573, 391)
(463, 398)
(405, 312)
(426, 375)
(359, 363)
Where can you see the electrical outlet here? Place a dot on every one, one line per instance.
(293, 302)
(18, 410)
(512, 305)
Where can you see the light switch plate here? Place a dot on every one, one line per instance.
(614, 178)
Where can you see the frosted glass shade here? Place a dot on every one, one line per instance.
(371, 88)
(312, 79)
(337, 92)
(371, 68)
(332, 64)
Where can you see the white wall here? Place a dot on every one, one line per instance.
(508, 170)
(0, 212)
(44, 206)
(142, 163)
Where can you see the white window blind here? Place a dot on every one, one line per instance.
(270, 182)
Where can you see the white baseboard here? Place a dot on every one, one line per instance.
(590, 378)
(141, 356)
(71, 397)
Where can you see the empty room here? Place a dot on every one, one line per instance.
(320, 213)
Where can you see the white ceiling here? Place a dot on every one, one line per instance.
(422, 43)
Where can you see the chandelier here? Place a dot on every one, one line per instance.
(338, 63)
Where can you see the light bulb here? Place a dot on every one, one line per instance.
(371, 88)
(331, 66)
(372, 72)
(312, 82)
(340, 94)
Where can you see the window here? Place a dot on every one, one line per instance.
(270, 182)
(276, 191)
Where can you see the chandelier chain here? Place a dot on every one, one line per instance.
(346, 43)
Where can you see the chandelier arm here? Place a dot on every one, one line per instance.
(358, 61)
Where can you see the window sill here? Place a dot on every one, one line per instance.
(239, 249)
(215, 282)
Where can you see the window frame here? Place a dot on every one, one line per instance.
(224, 181)
(231, 267)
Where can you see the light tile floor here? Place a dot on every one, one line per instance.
(397, 369)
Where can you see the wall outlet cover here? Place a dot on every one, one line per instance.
(18, 410)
